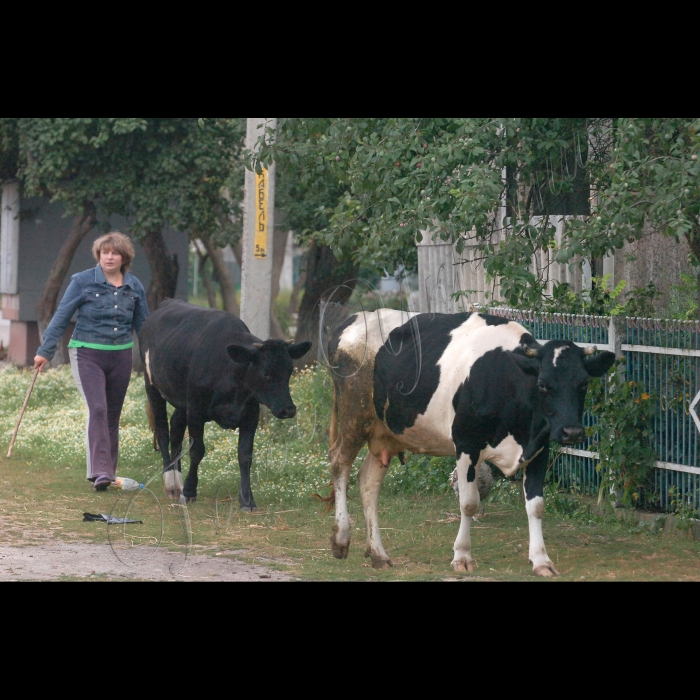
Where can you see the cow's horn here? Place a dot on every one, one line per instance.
(290, 342)
(530, 352)
(589, 350)
(258, 346)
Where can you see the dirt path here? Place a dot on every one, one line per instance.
(80, 560)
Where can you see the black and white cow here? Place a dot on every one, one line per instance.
(475, 386)
(206, 364)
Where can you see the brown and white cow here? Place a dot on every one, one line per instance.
(475, 386)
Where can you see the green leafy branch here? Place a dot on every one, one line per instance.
(624, 434)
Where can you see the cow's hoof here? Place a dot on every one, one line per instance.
(340, 551)
(546, 570)
(378, 562)
(190, 499)
(172, 483)
(463, 567)
(249, 509)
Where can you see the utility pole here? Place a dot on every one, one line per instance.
(258, 226)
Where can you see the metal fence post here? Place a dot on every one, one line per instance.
(617, 335)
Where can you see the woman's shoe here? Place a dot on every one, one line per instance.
(102, 483)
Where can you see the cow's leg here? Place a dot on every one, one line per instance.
(342, 455)
(195, 426)
(469, 505)
(246, 438)
(533, 486)
(178, 424)
(371, 477)
(173, 477)
(159, 408)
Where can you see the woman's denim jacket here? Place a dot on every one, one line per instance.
(106, 314)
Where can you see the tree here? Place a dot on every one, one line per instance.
(308, 203)
(9, 149)
(205, 177)
(652, 183)
(228, 290)
(481, 182)
(204, 272)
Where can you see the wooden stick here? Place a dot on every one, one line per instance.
(19, 420)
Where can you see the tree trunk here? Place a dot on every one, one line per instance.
(294, 297)
(206, 281)
(48, 301)
(324, 274)
(238, 252)
(206, 278)
(223, 273)
(164, 270)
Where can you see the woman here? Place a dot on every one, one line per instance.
(110, 303)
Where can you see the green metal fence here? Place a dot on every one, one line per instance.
(664, 356)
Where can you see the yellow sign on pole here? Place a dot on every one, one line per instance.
(261, 214)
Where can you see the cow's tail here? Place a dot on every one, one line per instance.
(332, 440)
(328, 500)
(151, 423)
(333, 430)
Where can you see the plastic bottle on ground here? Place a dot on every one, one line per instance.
(124, 484)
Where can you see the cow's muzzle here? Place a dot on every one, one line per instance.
(572, 436)
(288, 412)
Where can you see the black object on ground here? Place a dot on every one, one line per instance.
(110, 519)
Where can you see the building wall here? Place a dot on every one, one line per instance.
(9, 240)
(653, 258)
(441, 273)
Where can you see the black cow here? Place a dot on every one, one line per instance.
(475, 386)
(207, 364)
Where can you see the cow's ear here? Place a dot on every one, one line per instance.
(239, 353)
(527, 364)
(597, 365)
(298, 350)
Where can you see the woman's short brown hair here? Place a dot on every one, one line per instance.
(117, 242)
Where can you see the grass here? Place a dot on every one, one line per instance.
(44, 494)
